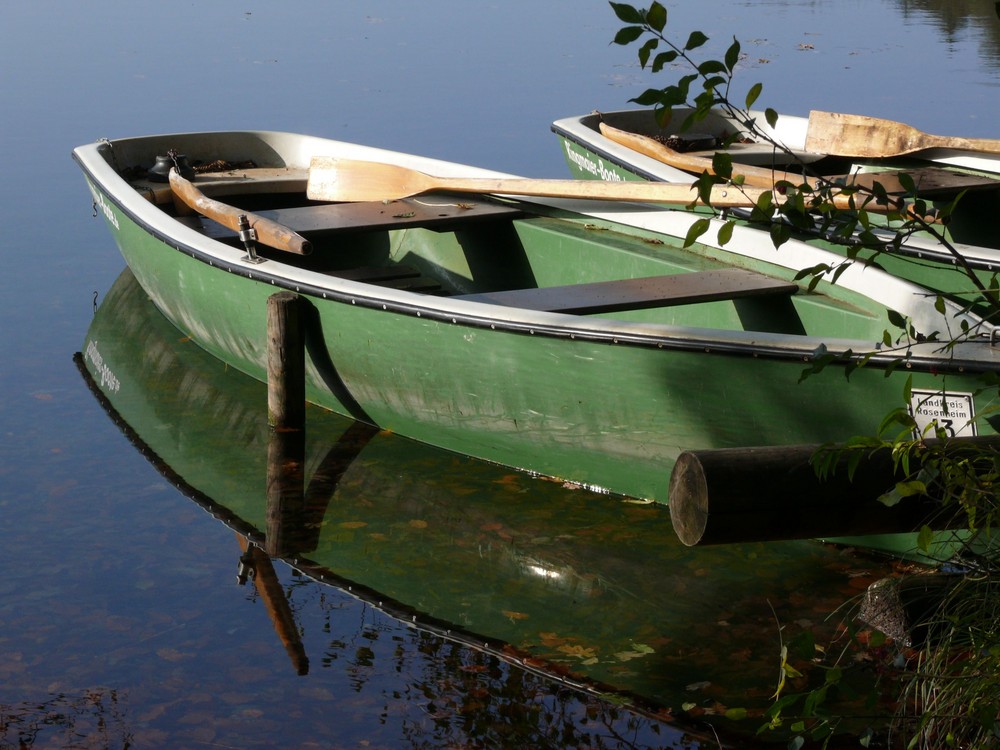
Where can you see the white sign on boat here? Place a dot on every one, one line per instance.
(954, 412)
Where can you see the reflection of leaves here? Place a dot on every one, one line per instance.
(581, 652)
(551, 640)
(638, 650)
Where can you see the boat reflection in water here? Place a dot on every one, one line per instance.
(584, 586)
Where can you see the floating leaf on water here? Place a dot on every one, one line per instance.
(417, 523)
(694, 686)
(510, 615)
(352, 524)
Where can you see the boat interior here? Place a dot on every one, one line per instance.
(693, 151)
(494, 251)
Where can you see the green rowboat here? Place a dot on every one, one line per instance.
(575, 339)
(630, 145)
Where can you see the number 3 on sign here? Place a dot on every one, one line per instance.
(954, 413)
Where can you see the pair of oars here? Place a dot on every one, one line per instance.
(332, 179)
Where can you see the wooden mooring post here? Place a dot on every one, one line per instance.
(286, 381)
(286, 415)
(764, 494)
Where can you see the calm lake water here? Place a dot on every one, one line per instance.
(121, 620)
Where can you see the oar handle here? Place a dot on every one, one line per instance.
(754, 176)
(980, 145)
(722, 196)
(269, 232)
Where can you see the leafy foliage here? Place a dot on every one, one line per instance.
(949, 687)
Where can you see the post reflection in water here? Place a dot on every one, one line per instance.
(503, 575)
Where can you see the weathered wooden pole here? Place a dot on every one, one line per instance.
(286, 415)
(772, 493)
(286, 383)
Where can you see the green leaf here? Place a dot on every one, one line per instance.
(901, 490)
(711, 66)
(780, 234)
(754, 93)
(696, 230)
(906, 180)
(722, 164)
(726, 232)
(896, 319)
(736, 714)
(646, 49)
(925, 538)
(628, 34)
(695, 40)
(656, 17)
(649, 97)
(626, 13)
(771, 116)
(663, 59)
(732, 55)
(705, 184)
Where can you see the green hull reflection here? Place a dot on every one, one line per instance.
(562, 580)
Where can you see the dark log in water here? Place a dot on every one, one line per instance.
(773, 493)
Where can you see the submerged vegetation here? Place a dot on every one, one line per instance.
(932, 640)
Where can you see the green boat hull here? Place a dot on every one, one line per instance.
(607, 402)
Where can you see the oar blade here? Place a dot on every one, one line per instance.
(347, 180)
(860, 136)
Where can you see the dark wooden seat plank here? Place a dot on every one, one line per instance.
(434, 212)
(639, 294)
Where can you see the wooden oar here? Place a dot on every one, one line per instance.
(761, 177)
(930, 181)
(346, 180)
(269, 233)
(870, 137)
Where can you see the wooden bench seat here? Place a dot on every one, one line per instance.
(435, 212)
(254, 181)
(643, 293)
